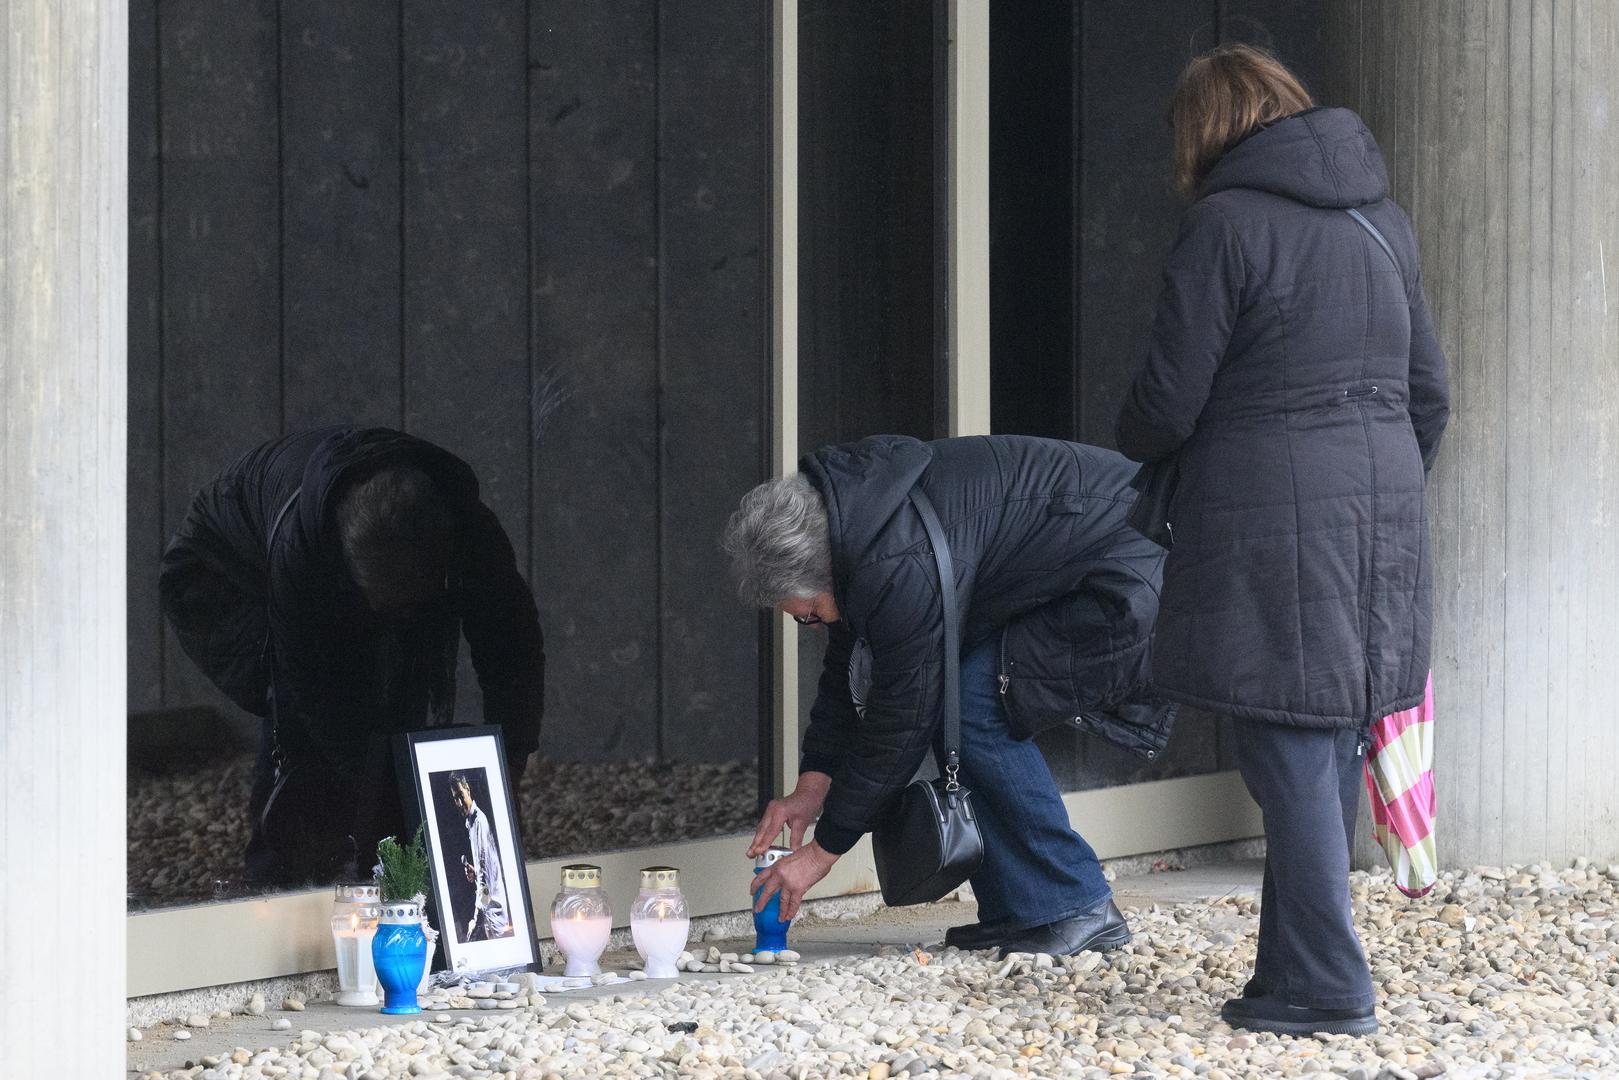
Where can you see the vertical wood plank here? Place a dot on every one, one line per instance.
(465, 258)
(594, 167)
(146, 536)
(340, 204)
(221, 258)
(713, 298)
(1130, 212)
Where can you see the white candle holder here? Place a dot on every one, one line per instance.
(354, 924)
(660, 922)
(581, 919)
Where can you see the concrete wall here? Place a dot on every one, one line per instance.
(1498, 122)
(62, 408)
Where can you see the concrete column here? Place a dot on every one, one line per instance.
(1500, 122)
(63, 221)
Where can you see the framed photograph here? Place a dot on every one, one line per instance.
(454, 779)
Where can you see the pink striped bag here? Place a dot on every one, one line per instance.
(1399, 779)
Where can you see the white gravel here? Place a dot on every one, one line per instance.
(1504, 973)
(187, 829)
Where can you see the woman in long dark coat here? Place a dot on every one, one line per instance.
(1295, 381)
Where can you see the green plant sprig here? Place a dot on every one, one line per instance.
(402, 872)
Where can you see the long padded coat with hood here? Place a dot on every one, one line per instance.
(255, 586)
(1294, 374)
(1044, 562)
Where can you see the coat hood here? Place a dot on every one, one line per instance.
(1320, 157)
(864, 484)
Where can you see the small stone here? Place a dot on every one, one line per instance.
(198, 1020)
(487, 1003)
(255, 1005)
(282, 1024)
(606, 978)
(763, 956)
(637, 976)
(134, 1034)
(685, 958)
(292, 1004)
(878, 1071)
(714, 954)
(746, 969)
(481, 990)
(1452, 915)
(443, 1018)
(508, 1003)
(787, 956)
(181, 1034)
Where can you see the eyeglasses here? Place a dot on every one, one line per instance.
(808, 620)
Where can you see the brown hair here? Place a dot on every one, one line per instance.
(1222, 97)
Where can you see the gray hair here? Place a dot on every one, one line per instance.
(779, 544)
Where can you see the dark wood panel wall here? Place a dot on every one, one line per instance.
(532, 231)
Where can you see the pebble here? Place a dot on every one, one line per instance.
(181, 1034)
(788, 956)
(293, 1004)
(134, 1034)
(763, 956)
(198, 1020)
(1530, 992)
(255, 1005)
(282, 1024)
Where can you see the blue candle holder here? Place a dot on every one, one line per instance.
(398, 951)
(770, 931)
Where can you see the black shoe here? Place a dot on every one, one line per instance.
(1099, 929)
(1272, 1014)
(976, 936)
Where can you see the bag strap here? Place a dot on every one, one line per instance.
(951, 760)
(276, 754)
(1378, 236)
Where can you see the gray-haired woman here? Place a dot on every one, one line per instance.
(1058, 597)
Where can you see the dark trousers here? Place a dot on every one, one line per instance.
(1307, 783)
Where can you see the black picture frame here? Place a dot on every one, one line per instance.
(485, 753)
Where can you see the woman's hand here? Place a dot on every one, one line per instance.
(792, 876)
(797, 811)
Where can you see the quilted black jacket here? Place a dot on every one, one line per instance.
(255, 615)
(1294, 373)
(1043, 558)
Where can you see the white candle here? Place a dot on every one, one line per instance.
(582, 940)
(660, 943)
(357, 977)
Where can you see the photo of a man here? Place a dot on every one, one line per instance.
(473, 869)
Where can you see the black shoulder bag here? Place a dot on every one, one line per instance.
(927, 842)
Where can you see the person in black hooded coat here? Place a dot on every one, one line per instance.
(1295, 385)
(1057, 598)
(323, 582)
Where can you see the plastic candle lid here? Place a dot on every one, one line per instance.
(660, 877)
(581, 876)
(359, 894)
(771, 856)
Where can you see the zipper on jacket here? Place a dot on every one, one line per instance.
(1001, 676)
(1361, 392)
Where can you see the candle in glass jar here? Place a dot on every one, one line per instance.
(660, 922)
(581, 920)
(354, 924)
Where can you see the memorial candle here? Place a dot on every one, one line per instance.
(581, 919)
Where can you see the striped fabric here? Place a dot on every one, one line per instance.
(1399, 779)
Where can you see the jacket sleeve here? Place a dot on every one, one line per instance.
(1197, 309)
(902, 711)
(213, 589)
(1430, 389)
(833, 720)
(502, 627)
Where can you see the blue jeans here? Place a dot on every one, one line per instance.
(1036, 868)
